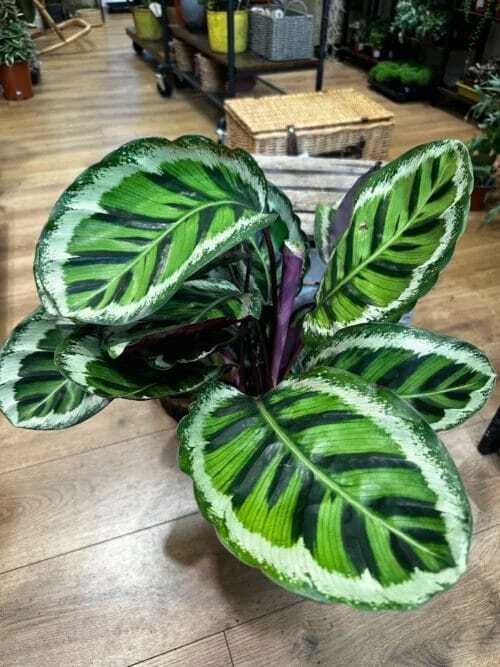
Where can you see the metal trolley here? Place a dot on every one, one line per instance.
(169, 75)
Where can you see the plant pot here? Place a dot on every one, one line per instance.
(478, 197)
(192, 13)
(146, 24)
(16, 81)
(217, 31)
(376, 53)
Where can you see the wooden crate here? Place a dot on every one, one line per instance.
(325, 122)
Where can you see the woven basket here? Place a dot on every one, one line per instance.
(327, 122)
(286, 38)
(184, 55)
(210, 74)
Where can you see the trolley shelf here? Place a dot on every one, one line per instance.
(244, 62)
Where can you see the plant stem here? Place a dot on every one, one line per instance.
(274, 284)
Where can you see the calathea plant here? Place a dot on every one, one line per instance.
(174, 268)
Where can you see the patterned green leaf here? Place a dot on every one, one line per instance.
(336, 489)
(198, 302)
(444, 379)
(187, 348)
(33, 392)
(324, 223)
(82, 359)
(132, 228)
(407, 218)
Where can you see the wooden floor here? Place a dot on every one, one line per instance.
(104, 559)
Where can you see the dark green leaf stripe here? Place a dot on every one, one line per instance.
(132, 228)
(198, 302)
(82, 359)
(336, 489)
(444, 379)
(406, 220)
(33, 392)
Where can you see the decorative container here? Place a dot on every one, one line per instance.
(277, 37)
(16, 81)
(210, 74)
(146, 24)
(217, 31)
(184, 55)
(478, 197)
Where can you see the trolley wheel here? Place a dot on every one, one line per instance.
(137, 48)
(165, 88)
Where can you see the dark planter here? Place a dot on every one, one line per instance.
(16, 81)
(398, 92)
(478, 197)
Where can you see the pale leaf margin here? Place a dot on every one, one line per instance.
(294, 568)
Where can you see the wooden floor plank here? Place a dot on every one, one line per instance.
(129, 599)
(119, 421)
(458, 628)
(79, 500)
(209, 652)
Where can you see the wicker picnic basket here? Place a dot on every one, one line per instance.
(326, 122)
(184, 55)
(289, 37)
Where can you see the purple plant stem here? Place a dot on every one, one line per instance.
(292, 270)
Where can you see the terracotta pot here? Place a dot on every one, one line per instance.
(478, 197)
(16, 81)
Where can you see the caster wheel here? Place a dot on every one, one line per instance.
(165, 89)
(137, 48)
(180, 83)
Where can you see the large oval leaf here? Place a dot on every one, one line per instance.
(336, 489)
(33, 392)
(198, 305)
(444, 379)
(132, 228)
(82, 359)
(406, 219)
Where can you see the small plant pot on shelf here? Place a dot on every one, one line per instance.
(478, 197)
(376, 53)
(191, 13)
(16, 81)
(217, 31)
(146, 24)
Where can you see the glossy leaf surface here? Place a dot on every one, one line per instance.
(131, 229)
(444, 379)
(83, 360)
(336, 489)
(33, 392)
(406, 220)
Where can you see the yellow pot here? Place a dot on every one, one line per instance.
(146, 24)
(217, 31)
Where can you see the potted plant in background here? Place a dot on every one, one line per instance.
(311, 436)
(402, 81)
(217, 25)
(377, 34)
(485, 149)
(406, 19)
(358, 31)
(147, 26)
(16, 52)
(433, 26)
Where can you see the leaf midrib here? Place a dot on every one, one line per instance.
(168, 231)
(378, 252)
(439, 392)
(329, 483)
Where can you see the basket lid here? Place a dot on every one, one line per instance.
(343, 106)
